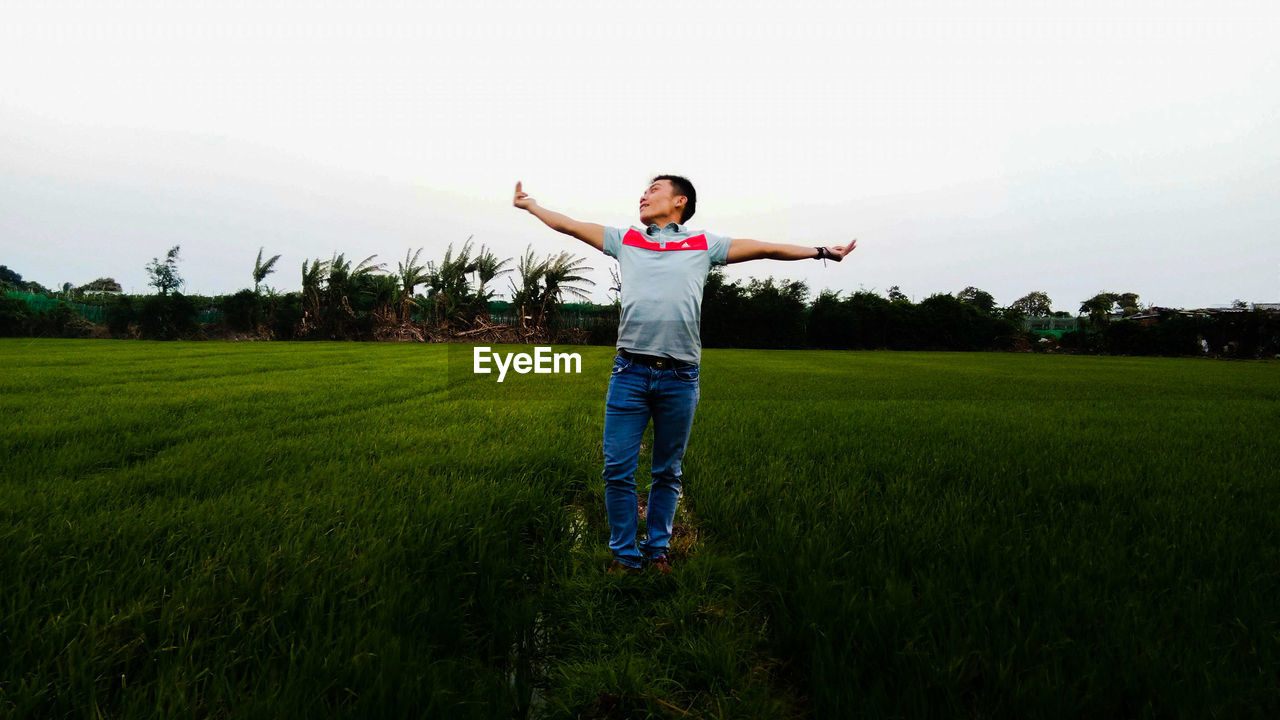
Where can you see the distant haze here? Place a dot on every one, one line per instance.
(1012, 146)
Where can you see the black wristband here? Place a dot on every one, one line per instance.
(822, 253)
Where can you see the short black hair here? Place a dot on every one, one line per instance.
(682, 186)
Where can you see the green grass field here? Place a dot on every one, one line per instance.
(326, 529)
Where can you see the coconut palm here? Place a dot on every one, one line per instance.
(261, 269)
(382, 292)
(561, 274)
(447, 288)
(487, 268)
(344, 279)
(545, 283)
(525, 297)
(344, 283)
(411, 275)
(313, 275)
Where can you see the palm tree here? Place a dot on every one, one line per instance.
(545, 283)
(344, 280)
(411, 275)
(487, 268)
(312, 278)
(448, 290)
(382, 291)
(261, 269)
(525, 297)
(345, 283)
(558, 279)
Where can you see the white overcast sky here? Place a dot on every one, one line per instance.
(1069, 147)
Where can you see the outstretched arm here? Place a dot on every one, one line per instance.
(589, 233)
(741, 250)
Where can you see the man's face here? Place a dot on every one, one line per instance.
(659, 200)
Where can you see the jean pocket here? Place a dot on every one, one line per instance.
(620, 363)
(687, 374)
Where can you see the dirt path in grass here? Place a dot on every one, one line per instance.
(684, 534)
(688, 644)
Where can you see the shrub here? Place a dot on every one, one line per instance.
(776, 312)
(120, 313)
(1177, 335)
(1076, 340)
(13, 317)
(1126, 337)
(243, 312)
(60, 321)
(284, 314)
(167, 317)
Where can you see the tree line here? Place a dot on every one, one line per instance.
(455, 297)
(770, 314)
(340, 299)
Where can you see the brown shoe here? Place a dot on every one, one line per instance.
(617, 568)
(662, 564)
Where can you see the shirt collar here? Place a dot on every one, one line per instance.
(653, 228)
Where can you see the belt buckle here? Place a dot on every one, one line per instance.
(661, 364)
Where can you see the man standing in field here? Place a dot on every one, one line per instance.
(655, 374)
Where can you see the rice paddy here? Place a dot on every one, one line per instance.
(341, 529)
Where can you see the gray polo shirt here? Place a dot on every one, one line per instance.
(663, 272)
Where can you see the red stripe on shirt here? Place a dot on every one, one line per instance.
(635, 239)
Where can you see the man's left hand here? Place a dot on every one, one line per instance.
(837, 252)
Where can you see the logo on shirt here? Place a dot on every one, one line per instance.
(635, 239)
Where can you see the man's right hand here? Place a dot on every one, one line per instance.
(523, 201)
(589, 233)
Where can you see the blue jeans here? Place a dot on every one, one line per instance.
(636, 393)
